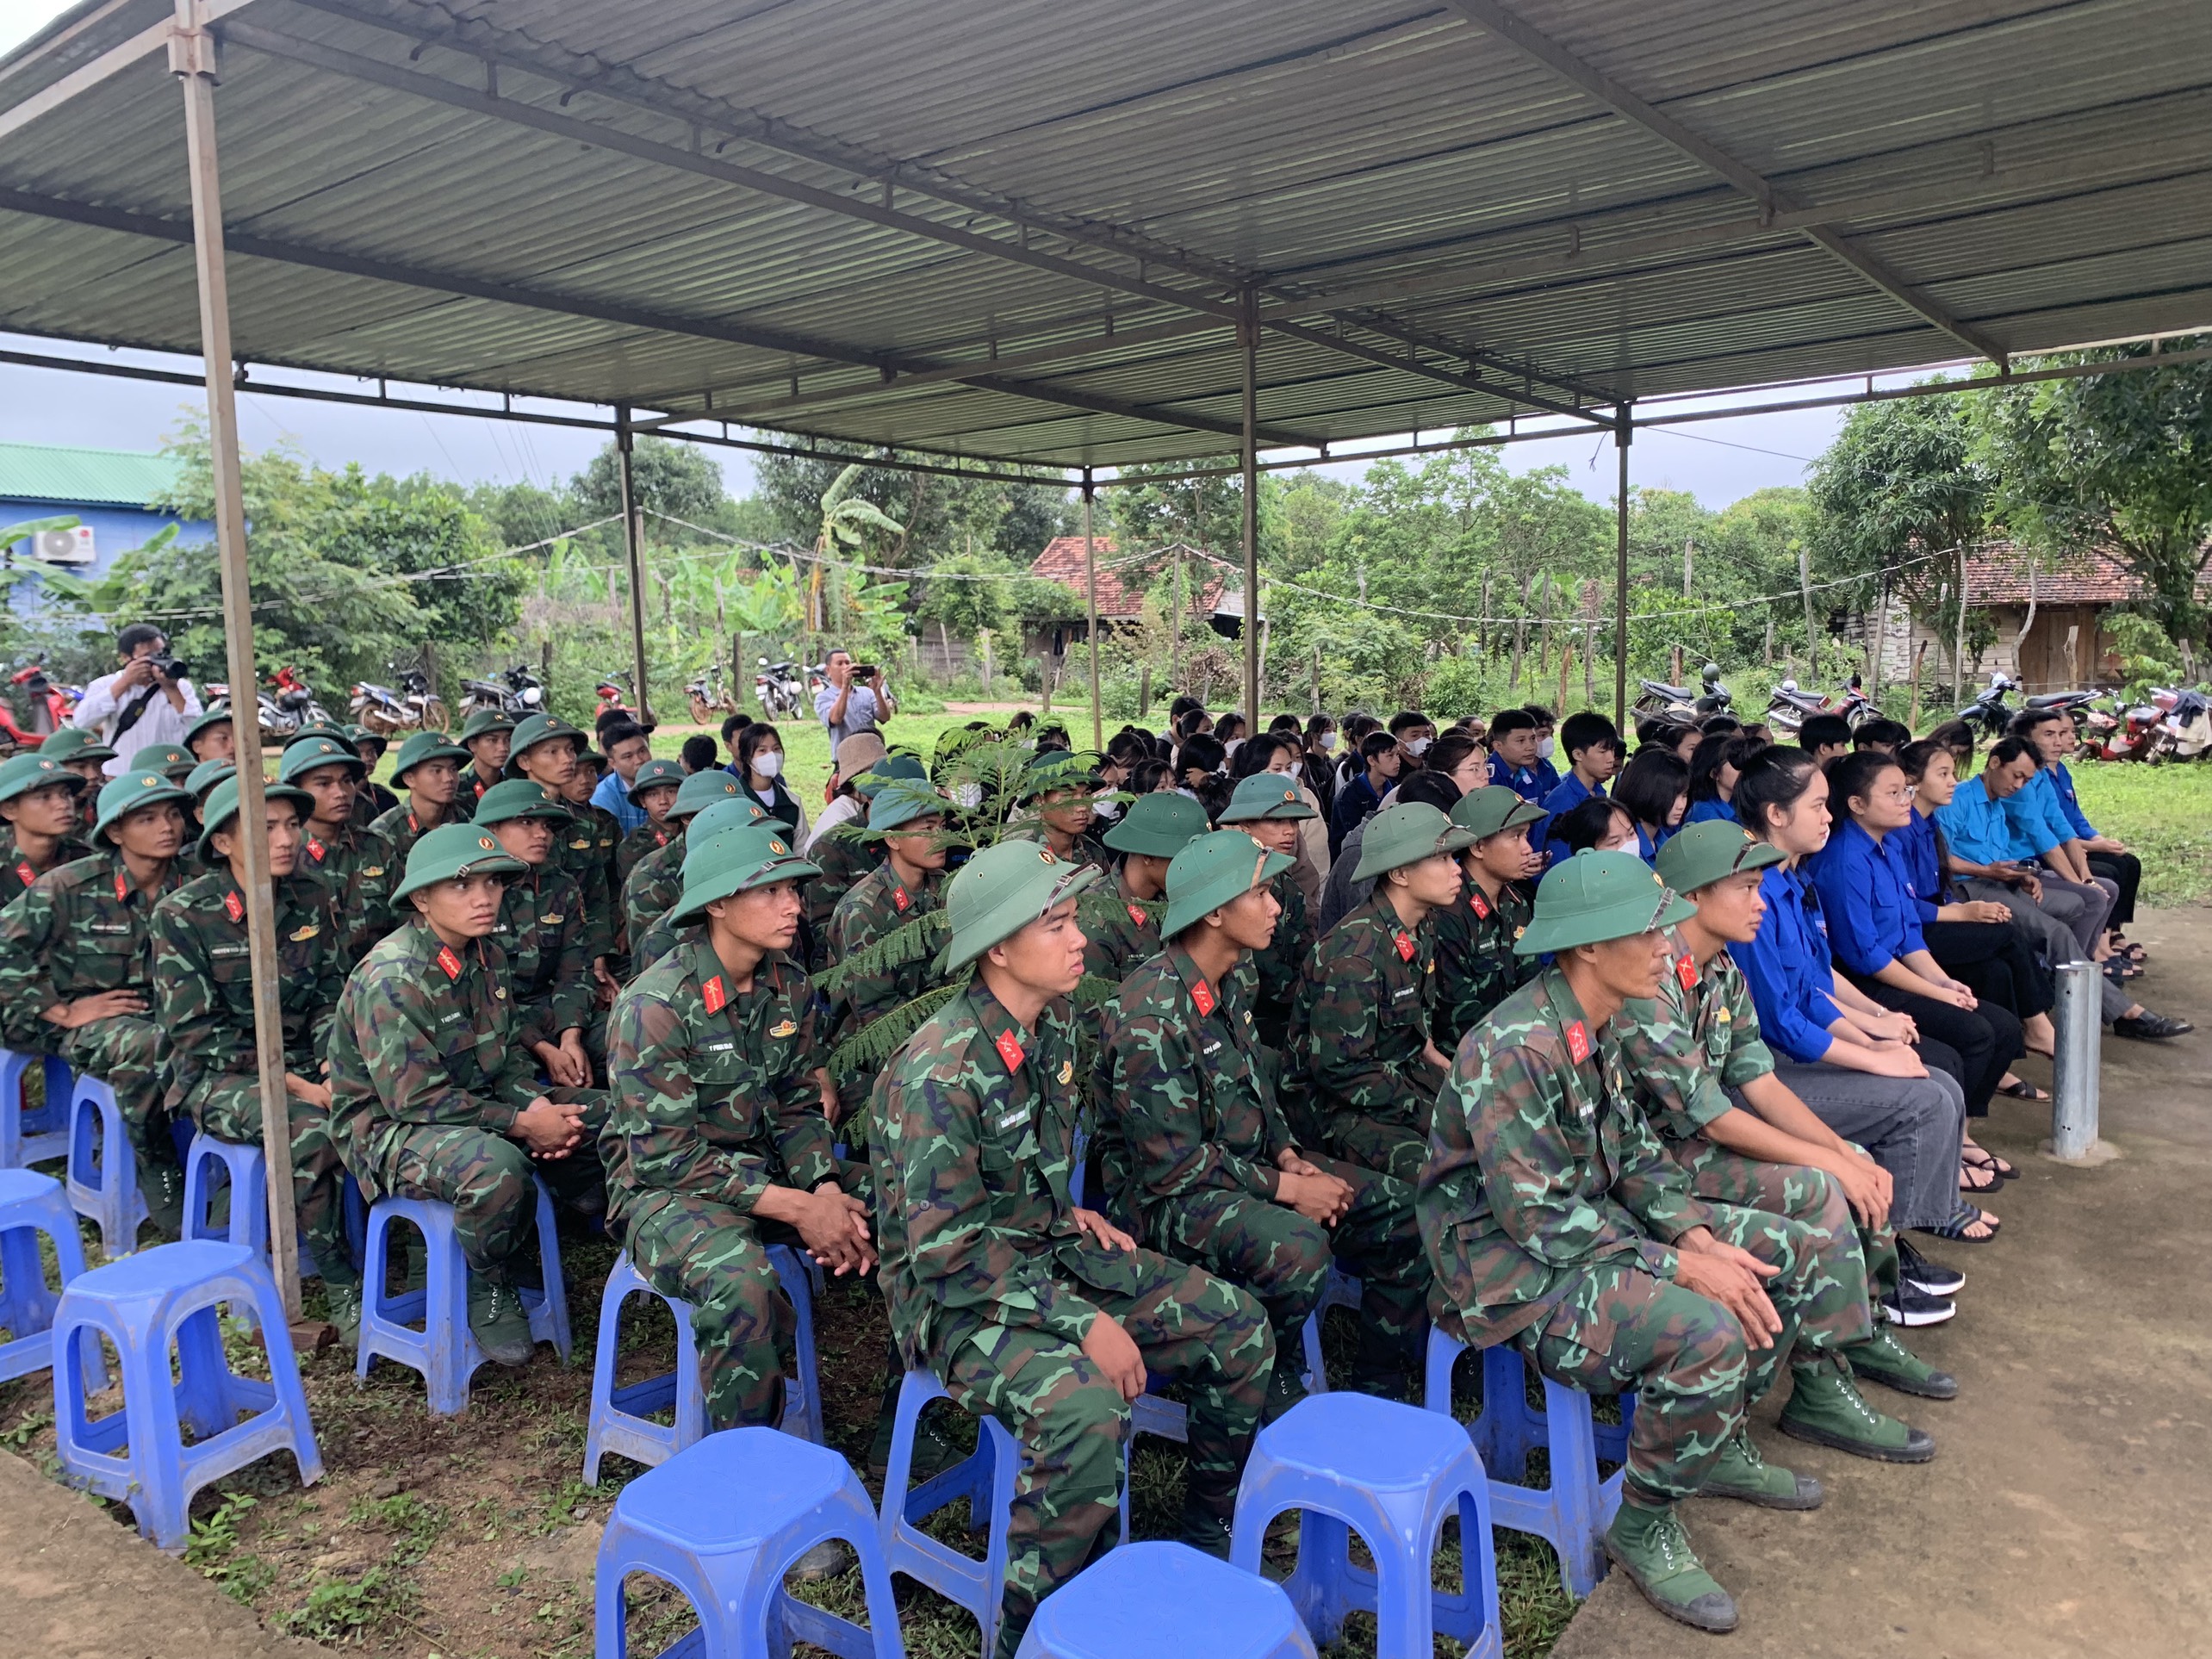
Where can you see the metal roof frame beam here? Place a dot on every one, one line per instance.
(108, 65)
(1494, 19)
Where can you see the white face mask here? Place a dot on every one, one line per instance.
(1419, 747)
(1544, 748)
(1328, 742)
(1106, 810)
(769, 763)
(970, 796)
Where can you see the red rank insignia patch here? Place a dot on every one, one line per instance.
(1404, 941)
(1136, 914)
(314, 850)
(898, 898)
(1481, 905)
(1685, 969)
(414, 825)
(1202, 994)
(1010, 1050)
(714, 996)
(24, 872)
(1578, 1042)
(447, 961)
(235, 907)
(122, 888)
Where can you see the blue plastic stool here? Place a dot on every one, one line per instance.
(1165, 1601)
(1342, 1291)
(33, 1135)
(1573, 1512)
(208, 1165)
(138, 1455)
(444, 1351)
(102, 1180)
(1394, 1474)
(31, 1204)
(724, 1521)
(620, 1420)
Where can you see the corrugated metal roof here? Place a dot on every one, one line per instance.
(47, 472)
(1015, 229)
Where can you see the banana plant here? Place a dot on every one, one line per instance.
(847, 522)
(10, 534)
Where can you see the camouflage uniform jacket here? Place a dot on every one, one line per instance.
(425, 1035)
(1185, 1103)
(203, 978)
(1275, 969)
(715, 1091)
(361, 869)
(585, 847)
(647, 838)
(1475, 967)
(401, 828)
(875, 909)
(541, 934)
(1361, 1018)
(971, 1148)
(371, 800)
(1540, 1168)
(16, 872)
(1687, 1047)
(80, 928)
(844, 856)
(651, 889)
(1120, 932)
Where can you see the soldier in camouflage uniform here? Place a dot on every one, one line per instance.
(1706, 1085)
(738, 811)
(39, 802)
(1359, 1022)
(1268, 807)
(906, 888)
(652, 792)
(1195, 1141)
(656, 881)
(172, 760)
(357, 864)
(212, 737)
(1121, 928)
(76, 967)
(1026, 1306)
(372, 800)
(541, 934)
(428, 772)
(82, 753)
(203, 1000)
(1555, 1220)
(547, 750)
(1057, 788)
(487, 734)
(432, 1097)
(716, 1142)
(1477, 967)
(205, 776)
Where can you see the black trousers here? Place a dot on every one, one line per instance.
(2126, 869)
(1992, 958)
(1974, 1045)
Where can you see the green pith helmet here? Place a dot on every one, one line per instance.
(75, 744)
(1158, 825)
(338, 735)
(519, 798)
(120, 797)
(171, 760)
(701, 789)
(738, 813)
(903, 799)
(483, 723)
(1593, 897)
(1709, 852)
(21, 774)
(1407, 833)
(219, 715)
(1059, 769)
(1214, 870)
(1266, 795)
(1492, 810)
(205, 776)
(308, 755)
(423, 746)
(890, 769)
(652, 775)
(1000, 892)
(221, 809)
(541, 729)
(735, 861)
(452, 852)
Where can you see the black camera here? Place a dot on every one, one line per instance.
(171, 667)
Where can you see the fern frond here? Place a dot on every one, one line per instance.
(870, 1049)
(909, 943)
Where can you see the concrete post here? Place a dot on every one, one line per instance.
(2078, 1019)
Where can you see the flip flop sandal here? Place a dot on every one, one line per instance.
(2021, 1088)
(1981, 1158)
(1970, 1177)
(2129, 948)
(1955, 1228)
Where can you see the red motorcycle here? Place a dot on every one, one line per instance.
(615, 696)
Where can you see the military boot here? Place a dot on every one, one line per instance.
(1209, 1505)
(1650, 1546)
(1743, 1474)
(1285, 1387)
(1383, 1361)
(161, 1186)
(342, 1305)
(496, 1320)
(1882, 1359)
(1826, 1408)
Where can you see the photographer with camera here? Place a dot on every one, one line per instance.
(149, 703)
(854, 700)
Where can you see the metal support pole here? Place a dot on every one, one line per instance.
(1091, 605)
(633, 536)
(2077, 1018)
(1958, 638)
(1248, 337)
(1624, 431)
(192, 60)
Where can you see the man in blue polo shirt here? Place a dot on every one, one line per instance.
(1593, 746)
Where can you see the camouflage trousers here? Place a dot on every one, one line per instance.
(1072, 1423)
(1282, 1258)
(1394, 1147)
(229, 1109)
(1838, 1313)
(1694, 1375)
(487, 1177)
(124, 1051)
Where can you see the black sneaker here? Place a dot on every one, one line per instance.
(1931, 1278)
(1909, 1308)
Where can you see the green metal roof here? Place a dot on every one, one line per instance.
(47, 472)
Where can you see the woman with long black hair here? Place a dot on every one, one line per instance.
(760, 774)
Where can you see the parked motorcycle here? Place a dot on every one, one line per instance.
(614, 695)
(1716, 697)
(710, 698)
(2187, 722)
(411, 707)
(50, 704)
(517, 692)
(291, 706)
(778, 688)
(1657, 697)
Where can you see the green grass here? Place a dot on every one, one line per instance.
(2164, 814)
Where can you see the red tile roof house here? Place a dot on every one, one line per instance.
(1120, 608)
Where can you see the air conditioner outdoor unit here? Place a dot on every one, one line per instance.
(67, 546)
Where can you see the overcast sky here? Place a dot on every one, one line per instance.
(1717, 460)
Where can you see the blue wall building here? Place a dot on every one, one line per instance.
(107, 489)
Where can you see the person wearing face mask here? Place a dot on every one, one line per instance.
(1279, 755)
(1317, 763)
(760, 758)
(1415, 733)
(1547, 772)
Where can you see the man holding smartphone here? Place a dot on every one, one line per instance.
(854, 700)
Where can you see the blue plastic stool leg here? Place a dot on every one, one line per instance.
(32, 1134)
(802, 1390)
(102, 1180)
(32, 1206)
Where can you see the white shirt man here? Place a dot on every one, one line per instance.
(157, 709)
(847, 705)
